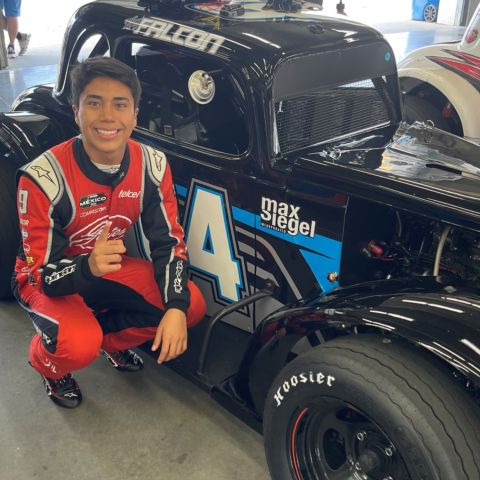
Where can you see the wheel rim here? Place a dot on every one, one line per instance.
(335, 441)
(430, 13)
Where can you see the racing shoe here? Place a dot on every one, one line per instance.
(64, 391)
(124, 360)
(23, 40)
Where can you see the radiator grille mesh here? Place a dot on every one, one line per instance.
(327, 113)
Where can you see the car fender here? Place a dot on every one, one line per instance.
(440, 318)
(461, 93)
(26, 135)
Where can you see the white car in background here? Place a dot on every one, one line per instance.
(441, 83)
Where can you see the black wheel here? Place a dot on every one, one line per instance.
(369, 408)
(430, 13)
(9, 230)
(419, 109)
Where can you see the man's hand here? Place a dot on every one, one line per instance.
(106, 256)
(171, 334)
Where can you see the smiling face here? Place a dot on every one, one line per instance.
(106, 115)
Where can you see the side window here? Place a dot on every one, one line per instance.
(93, 46)
(171, 107)
(87, 46)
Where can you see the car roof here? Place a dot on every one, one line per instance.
(256, 31)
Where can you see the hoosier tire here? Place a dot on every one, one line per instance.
(371, 408)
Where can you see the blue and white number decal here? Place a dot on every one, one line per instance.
(211, 242)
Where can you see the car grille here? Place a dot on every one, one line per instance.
(329, 113)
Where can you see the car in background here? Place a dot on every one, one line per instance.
(426, 10)
(441, 83)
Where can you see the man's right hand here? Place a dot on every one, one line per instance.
(106, 256)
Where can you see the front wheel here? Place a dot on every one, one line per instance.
(369, 408)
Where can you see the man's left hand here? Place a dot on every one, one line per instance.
(171, 335)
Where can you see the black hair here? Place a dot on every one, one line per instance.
(92, 68)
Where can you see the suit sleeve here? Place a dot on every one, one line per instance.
(44, 244)
(165, 234)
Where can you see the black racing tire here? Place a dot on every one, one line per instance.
(369, 407)
(9, 229)
(419, 109)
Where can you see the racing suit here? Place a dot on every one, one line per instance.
(64, 201)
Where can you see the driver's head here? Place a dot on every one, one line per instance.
(105, 97)
(86, 71)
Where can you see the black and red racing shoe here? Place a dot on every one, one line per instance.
(124, 360)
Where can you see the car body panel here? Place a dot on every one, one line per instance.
(453, 69)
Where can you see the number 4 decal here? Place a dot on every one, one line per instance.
(211, 242)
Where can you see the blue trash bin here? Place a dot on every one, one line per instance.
(426, 10)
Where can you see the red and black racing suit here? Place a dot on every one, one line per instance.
(64, 201)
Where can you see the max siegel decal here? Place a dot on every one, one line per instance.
(284, 218)
(319, 378)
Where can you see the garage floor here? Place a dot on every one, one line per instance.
(153, 424)
(149, 425)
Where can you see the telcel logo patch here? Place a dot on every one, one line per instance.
(284, 218)
(92, 200)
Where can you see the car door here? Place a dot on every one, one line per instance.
(207, 140)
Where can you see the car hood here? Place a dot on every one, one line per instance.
(421, 163)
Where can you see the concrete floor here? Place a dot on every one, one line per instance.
(152, 424)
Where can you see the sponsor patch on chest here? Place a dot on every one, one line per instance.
(92, 199)
(128, 194)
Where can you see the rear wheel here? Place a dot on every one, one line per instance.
(421, 110)
(372, 409)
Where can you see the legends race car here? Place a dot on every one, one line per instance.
(442, 83)
(337, 247)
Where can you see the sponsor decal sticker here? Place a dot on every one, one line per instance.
(30, 260)
(294, 381)
(24, 233)
(92, 200)
(285, 218)
(174, 33)
(24, 222)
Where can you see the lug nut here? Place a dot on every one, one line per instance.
(361, 436)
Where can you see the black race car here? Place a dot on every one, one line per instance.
(338, 248)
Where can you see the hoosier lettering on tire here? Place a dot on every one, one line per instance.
(372, 408)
